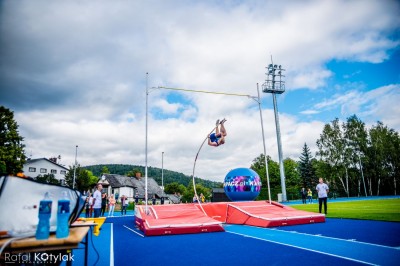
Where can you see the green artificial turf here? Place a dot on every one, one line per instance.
(382, 210)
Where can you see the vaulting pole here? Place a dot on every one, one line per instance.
(194, 167)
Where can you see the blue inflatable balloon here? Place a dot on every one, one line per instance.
(242, 184)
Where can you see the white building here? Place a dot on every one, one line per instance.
(42, 166)
(131, 186)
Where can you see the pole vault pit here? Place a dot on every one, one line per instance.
(190, 218)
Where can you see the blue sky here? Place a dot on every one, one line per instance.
(348, 75)
(74, 73)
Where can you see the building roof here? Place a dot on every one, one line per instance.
(138, 184)
(31, 161)
(174, 198)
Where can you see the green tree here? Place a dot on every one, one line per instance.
(383, 163)
(258, 166)
(292, 178)
(48, 178)
(134, 172)
(12, 157)
(175, 187)
(105, 170)
(84, 179)
(332, 145)
(306, 169)
(356, 137)
(189, 193)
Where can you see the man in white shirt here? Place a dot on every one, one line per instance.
(97, 201)
(323, 190)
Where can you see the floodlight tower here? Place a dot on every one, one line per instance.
(275, 85)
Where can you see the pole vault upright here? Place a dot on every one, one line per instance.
(145, 168)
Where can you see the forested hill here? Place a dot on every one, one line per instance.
(153, 172)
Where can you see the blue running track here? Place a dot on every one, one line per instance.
(342, 248)
(336, 242)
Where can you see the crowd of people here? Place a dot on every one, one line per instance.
(322, 190)
(98, 203)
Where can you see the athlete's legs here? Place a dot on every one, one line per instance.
(222, 129)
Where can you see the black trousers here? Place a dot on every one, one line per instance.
(323, 200)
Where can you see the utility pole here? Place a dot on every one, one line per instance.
(162, 171)
(76, 162)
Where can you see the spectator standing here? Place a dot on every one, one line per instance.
(309, 196)
(112, 202)
(323, 191)
(87, 207)
(90, 205)
(202, 198)
(97, 201)
(104, 201)
(303, 193)
(124, 204)
(136, 198)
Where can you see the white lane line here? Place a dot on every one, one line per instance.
(312, 250)
(112, 245)
(133, 231)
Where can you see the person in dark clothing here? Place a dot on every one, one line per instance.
(136, 198)
(87, 207)
(124, 204)
(104, 200)
(303, 193)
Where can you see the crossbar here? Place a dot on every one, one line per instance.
(210, 92)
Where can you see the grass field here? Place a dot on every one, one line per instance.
(382, 210)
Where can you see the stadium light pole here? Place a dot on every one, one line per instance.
(275, 85)
(76, 162)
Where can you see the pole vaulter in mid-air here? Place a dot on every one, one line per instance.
(215, 139)
(218, 138)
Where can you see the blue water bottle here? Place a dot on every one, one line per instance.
(43, 228)
(63, 216)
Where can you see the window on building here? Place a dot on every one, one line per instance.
(63, 172)
(32, 169)
(53, 171)
(43, 170)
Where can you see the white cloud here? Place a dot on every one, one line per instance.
(309, 112)
(371, 106)
(84, 64)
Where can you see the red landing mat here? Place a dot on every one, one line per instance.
(175, 219)
(189, 218)
(260, 213)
